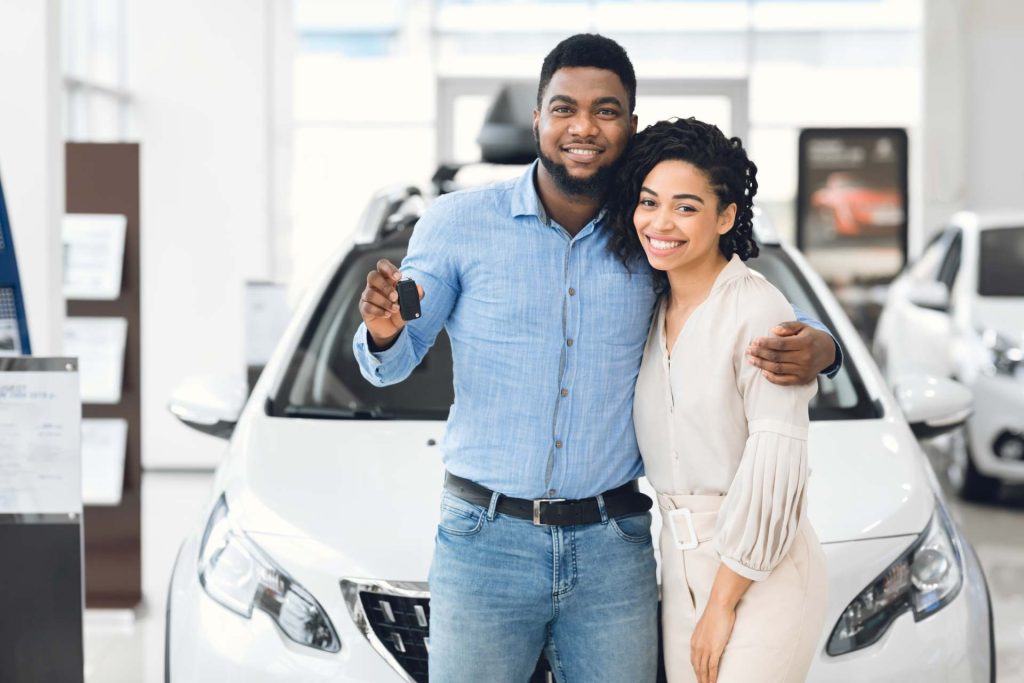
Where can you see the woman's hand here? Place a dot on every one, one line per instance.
(709, 640)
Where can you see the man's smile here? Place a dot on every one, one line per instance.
(582, 153)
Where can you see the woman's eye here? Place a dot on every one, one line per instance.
(685, 209)
(646, 202)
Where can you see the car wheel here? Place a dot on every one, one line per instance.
(967, 481)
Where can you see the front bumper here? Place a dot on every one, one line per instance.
(998, 408)
(206, 642)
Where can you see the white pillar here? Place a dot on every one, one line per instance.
(32, 159)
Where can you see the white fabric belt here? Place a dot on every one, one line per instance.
(690, 518)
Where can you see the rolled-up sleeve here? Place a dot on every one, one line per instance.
(766, 501)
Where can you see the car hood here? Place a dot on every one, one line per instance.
(369, 491)
(1003, 314)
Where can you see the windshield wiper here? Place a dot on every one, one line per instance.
(334, 413)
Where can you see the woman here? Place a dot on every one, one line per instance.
(743, 575)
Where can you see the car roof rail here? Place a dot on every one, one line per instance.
(387, 211)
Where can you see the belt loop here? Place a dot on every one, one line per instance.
(601, 508)
(493, 506)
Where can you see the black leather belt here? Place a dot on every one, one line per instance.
(618, 502)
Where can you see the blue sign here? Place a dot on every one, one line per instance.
(13, 324)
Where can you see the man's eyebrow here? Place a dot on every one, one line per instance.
(563, 98)
(675, 196)
(608, 100)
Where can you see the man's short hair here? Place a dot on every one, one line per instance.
(589, 50)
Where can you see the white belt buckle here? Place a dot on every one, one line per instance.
(692, 542)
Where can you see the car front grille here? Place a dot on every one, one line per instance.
(395, 618)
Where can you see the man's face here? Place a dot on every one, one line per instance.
(582, 128)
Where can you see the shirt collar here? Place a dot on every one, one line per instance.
(526, 200)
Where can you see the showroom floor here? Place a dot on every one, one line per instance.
(124, 648)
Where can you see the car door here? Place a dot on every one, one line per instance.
(919, 336)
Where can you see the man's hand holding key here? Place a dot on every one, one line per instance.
(378, 304)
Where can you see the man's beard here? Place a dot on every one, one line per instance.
(594, 187)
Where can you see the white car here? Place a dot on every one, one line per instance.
(959, 312)
(312, 563)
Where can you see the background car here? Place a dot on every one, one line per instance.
(313, 561)
(959, 312)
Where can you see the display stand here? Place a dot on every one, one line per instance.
(104, 179)
(40, 521)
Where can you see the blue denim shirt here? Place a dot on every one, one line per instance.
(547, 333)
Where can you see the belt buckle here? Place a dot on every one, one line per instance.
(537, 508)
(683, 512)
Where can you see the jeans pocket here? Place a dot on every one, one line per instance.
(459, 517)
(633, 528)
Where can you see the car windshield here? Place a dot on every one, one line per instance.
(1001, 262)
(322, 379)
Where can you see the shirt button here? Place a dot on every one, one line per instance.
(558, 444)
(572, 292)
(552, 493)
(568, 342)
(565, 392)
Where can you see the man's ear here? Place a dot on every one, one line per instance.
(633, 123)
(536, 120)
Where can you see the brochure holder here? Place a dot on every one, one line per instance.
(41, 602)
(102, 181)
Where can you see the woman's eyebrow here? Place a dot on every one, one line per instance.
(694, 197)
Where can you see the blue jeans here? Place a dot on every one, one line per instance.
(503, 590)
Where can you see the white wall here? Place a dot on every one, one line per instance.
(199, 73)
(32, 158)
(995, 109)
(973, 107)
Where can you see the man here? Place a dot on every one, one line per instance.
(544, 543)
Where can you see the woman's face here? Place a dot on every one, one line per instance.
(677, 218)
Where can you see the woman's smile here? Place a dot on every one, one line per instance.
(663, 246)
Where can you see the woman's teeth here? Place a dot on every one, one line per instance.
(659, 244)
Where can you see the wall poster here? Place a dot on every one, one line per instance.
(852, 203)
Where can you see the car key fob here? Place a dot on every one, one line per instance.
(408, 299)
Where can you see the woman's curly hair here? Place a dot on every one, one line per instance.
(730, 173)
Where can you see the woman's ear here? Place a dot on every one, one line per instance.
(726, 219)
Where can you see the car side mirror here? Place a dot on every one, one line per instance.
(933, 295)
(933, 405)
(210, 404)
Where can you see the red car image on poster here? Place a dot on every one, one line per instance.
(855, 208)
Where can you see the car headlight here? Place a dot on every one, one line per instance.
(235, 572)
(1005, 356)
(924, 579)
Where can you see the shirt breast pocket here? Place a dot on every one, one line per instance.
(617, 311)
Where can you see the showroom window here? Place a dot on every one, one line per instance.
(97, 104)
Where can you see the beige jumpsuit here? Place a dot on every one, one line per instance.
(726, 450)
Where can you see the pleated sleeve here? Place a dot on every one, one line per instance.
(765, 503)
